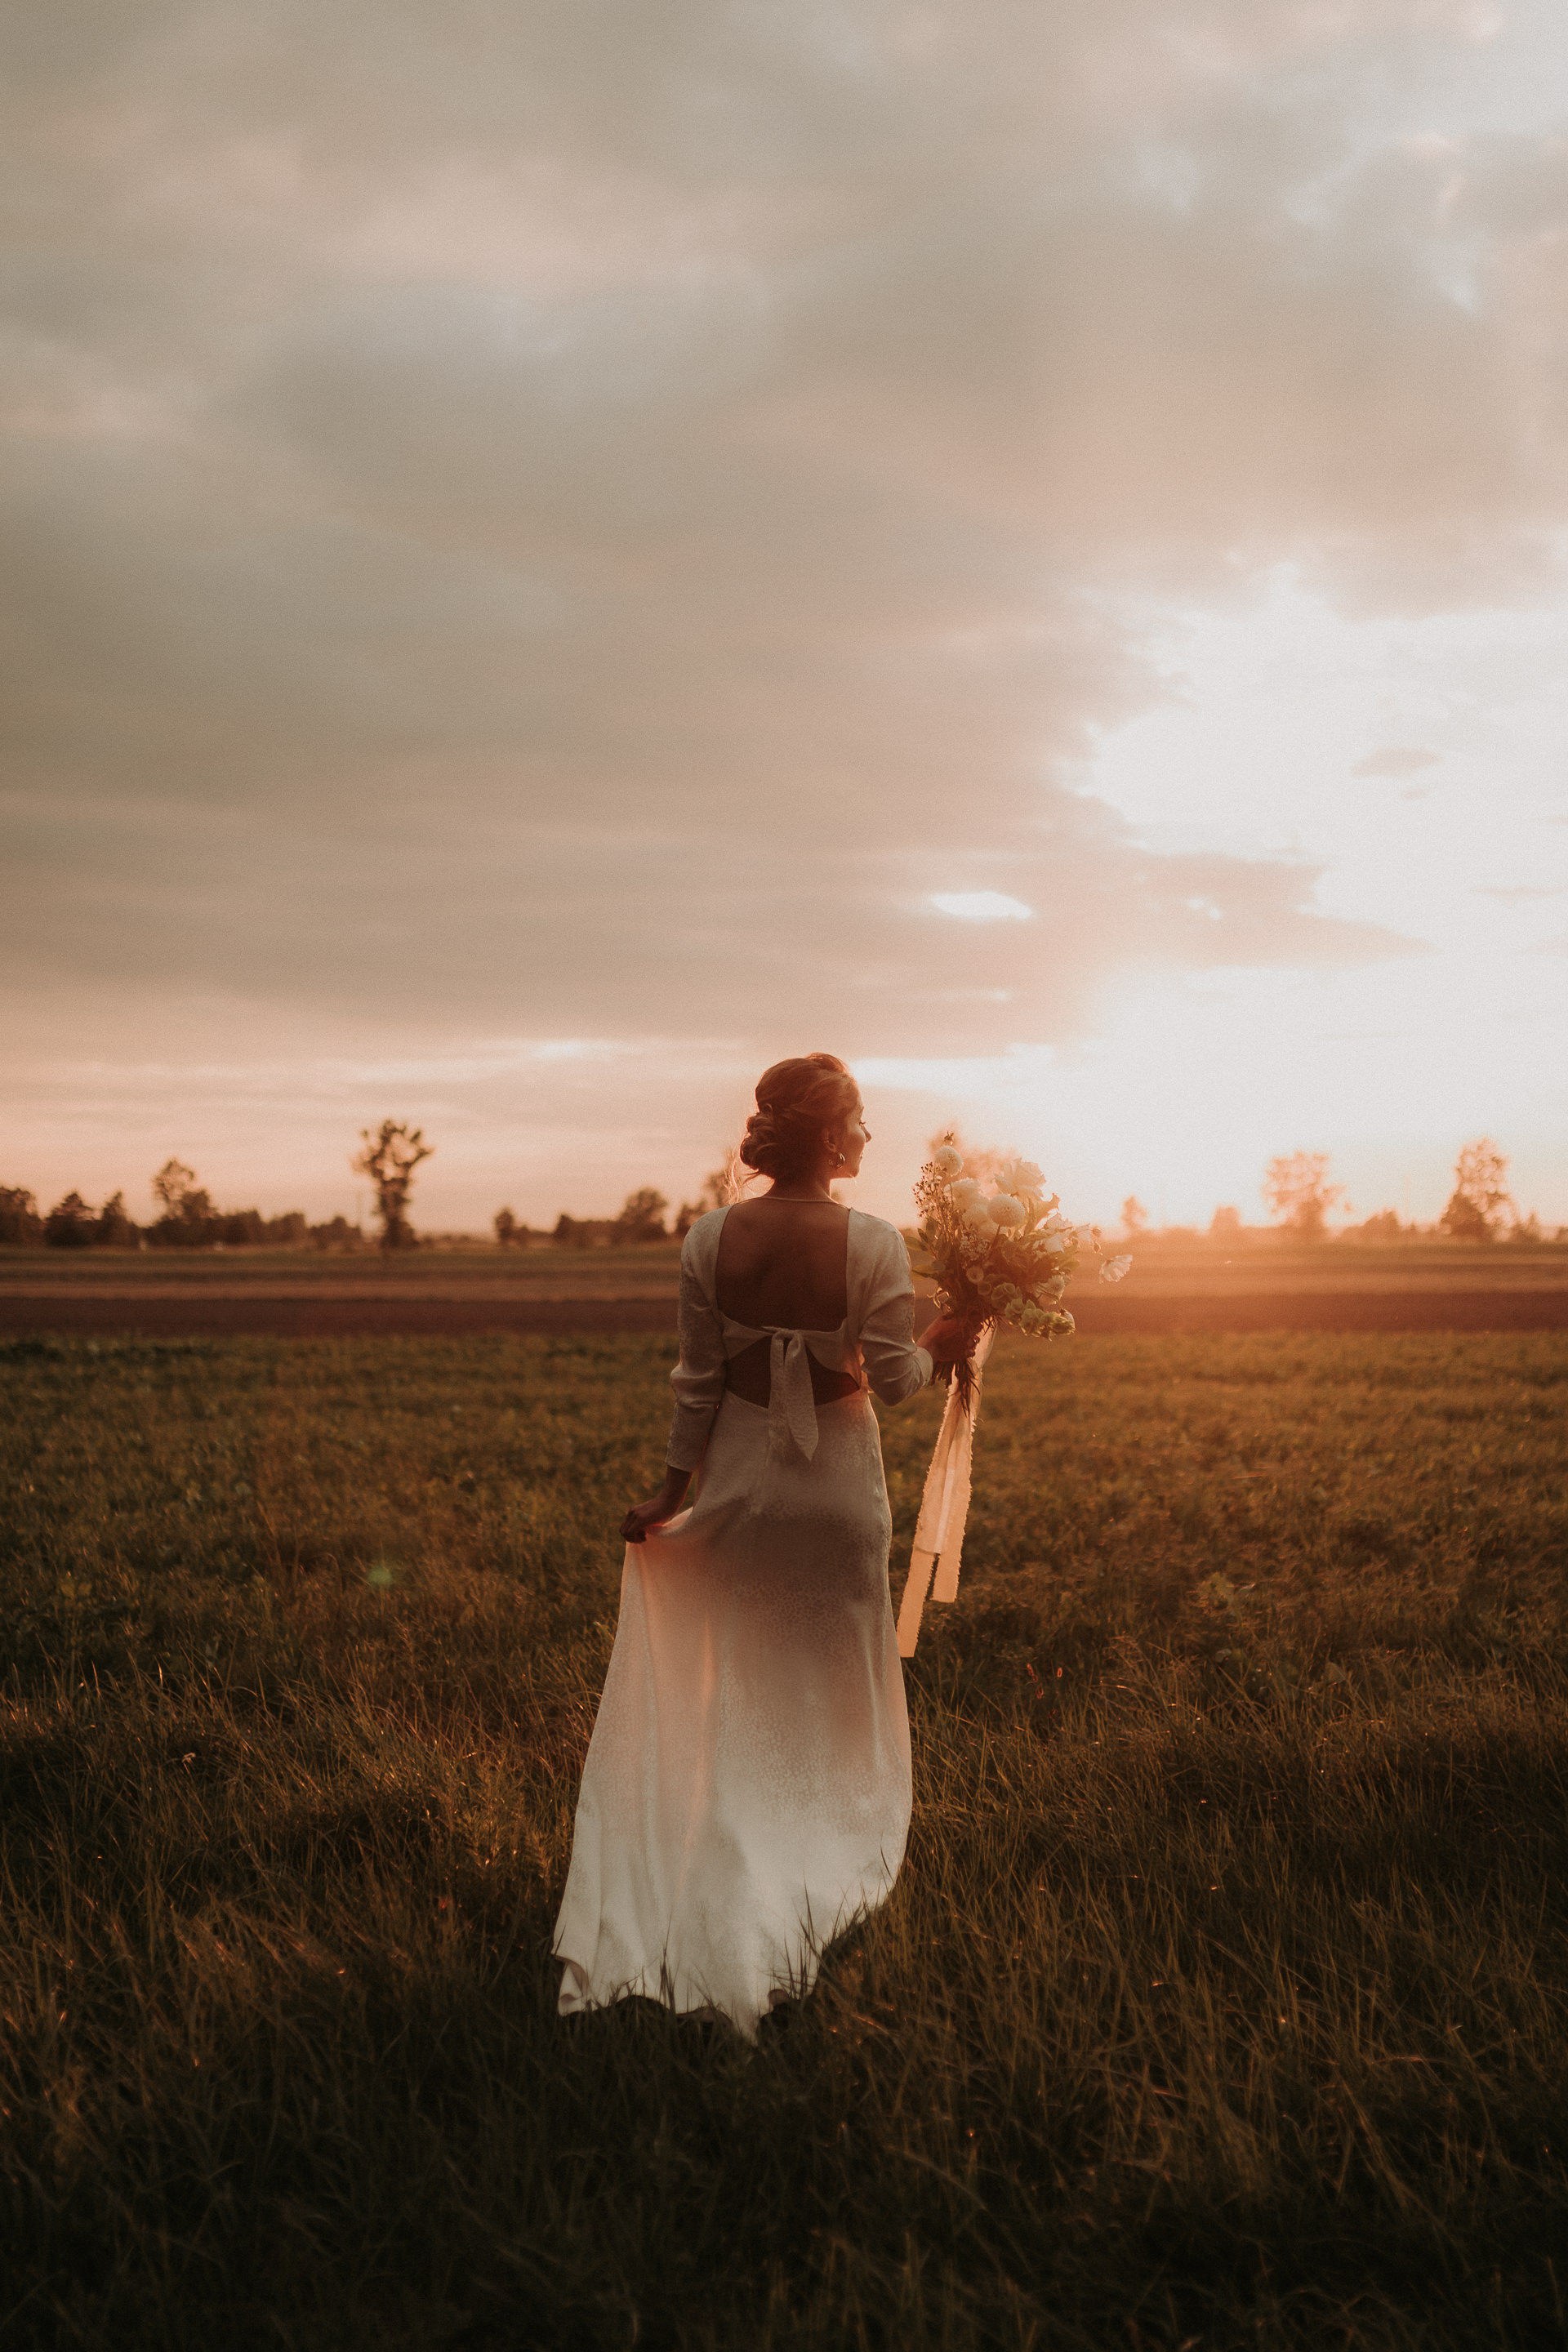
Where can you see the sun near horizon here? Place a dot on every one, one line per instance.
(1027, 553)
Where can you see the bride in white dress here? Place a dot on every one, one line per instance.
(746, 1792)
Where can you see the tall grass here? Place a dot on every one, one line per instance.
(1222, 2001)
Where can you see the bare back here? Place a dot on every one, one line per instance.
(784, 1265)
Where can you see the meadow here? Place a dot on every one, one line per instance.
(1223, 2000)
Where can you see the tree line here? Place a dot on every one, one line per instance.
(390, 1157)
(1295, 1186)
(187, 1219)
(640, 1219)
(1480, 1208)
(1300, 1195)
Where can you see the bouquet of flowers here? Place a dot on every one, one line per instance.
(1003, 1256)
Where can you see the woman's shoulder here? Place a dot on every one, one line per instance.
(873, 1238)
(708, 1223)
(701, 1239)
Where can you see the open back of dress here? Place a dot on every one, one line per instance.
(746, 1791)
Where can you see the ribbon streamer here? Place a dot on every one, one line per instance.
(944, 1507)
(792, 1408)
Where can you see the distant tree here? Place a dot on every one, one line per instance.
(1384, 1227)
(642, 1216)
(1134, 1217)
(1527, 1229)
(389, 1159)
(716, 1193)
(21, 1227)
(289, 1231)
(506, 1228)
(189, 1220)
(1297, 1191)
(172, 1186)
(1481, 1194)
(69, 1224)
(337, 1234)
(1463, 1222)
(114, 1229)
(1225, 1225)
(583, 1232)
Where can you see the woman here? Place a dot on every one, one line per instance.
(746, 1792)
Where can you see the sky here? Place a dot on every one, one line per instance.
(555, 553)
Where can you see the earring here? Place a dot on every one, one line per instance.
(839, 1162)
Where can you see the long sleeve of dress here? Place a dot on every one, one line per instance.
(698, 1378)
(895, 1366)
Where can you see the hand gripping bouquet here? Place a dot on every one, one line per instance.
(1000, 1256)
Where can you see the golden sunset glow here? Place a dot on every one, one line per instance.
(1021, 546)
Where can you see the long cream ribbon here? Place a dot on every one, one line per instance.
(944, 1507)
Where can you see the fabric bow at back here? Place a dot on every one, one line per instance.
(944, 1507)
(791, 1408)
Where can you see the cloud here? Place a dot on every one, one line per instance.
(595, 522)
(1396, 761)
(981, 907)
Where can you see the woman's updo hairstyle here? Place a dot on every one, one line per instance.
(795, 1100)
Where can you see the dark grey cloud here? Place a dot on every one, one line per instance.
(569, 517)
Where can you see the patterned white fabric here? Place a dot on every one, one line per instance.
(746, 1791)
(875, 1337)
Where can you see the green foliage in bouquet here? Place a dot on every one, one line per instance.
(1006, 1256)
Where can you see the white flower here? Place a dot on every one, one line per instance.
(1004, 1211)
(1018, 1176)
(1059, 1230)
(1114, 1268)
(964, 1194)
(978, 1236)
(1047, 1293)
(947, 1162)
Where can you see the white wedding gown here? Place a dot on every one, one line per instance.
(746, 1792)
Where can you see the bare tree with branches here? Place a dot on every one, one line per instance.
(389, 1159)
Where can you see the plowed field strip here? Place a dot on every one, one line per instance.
(307, 1318)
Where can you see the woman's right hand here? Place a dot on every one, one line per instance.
(951, 1337)
(653, 1514)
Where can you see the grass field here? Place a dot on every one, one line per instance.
(1223, 2000)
